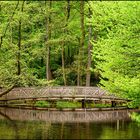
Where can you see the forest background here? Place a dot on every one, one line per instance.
(71, 43)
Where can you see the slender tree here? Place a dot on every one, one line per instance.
(48, 37)
(88, 74)
(81, 48)
(19, 43)
(64, 43)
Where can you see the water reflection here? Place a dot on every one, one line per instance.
(33, 124)
(66, 116)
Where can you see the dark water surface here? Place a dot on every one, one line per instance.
(46, 124)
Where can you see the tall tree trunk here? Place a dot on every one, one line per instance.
(68, 10)
(81, 48)
(63, 66)
(62, 53)
(19, 49)
(19, 45)
(48, 37)
(78, 69)
(90, 47)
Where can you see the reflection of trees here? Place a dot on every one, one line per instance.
(92, 130)
(62, 130)
(127, 130)
(34, 129)
(136, 117)
(96, 130)
(12, 123)
(24, 129)
(74, 131)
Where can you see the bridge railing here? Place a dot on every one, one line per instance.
(68, 91)
(59, 92)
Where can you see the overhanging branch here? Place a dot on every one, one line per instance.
(7, 91)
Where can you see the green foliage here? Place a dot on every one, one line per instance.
(115, 33)
(102, 105)
(135, 116)
(97, 105)
(42, 104)
(116, 52)
(67, 104)
(33, 46)
(135, 103)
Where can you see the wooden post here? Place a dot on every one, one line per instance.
(34, 101)
(113, 103)
(83, 103)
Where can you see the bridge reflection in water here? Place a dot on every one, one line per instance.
(47, 124)
(64, 116)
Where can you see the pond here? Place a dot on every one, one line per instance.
(55, 124)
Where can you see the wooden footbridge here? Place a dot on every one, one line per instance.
(62, 93)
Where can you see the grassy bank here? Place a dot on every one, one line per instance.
(69, 104)
(60, 104)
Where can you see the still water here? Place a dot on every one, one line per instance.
(84, 124)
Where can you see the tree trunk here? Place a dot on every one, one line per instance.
(19, 45)
(63, 44)
(78, 70)
(48, 37)
(88, 75)
(68, 10)
(19, 48)
(63, 66)
(81, 48)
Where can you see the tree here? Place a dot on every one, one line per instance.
(82, 39)
(117, 49)
(19, 44)
(88, 74)
(13, 54)
(63, 43)
(48, 37)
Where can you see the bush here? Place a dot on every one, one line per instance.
(135, 117)
(67, 104)
(102, 105)
(42, 104)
